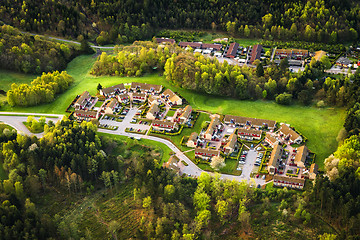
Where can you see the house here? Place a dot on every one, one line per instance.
(153, 111)
(112, 91)
(249, 134)
(165, 40)
(319, 54)
(232, 51)
(81, 115)
(313, 171)
(297, 54)
(82, 101)
(193, 45)
(146, 88)
(206, 153)
(300, 157)
(138, 97)
(289, 182)
(214, 125)
(289, 134)
(171, 98)
(123, 98)
(152, 99)
(172, 163)
(211, 46)
(249, 122)
(270, 139)
(344, 62)
(255, 53)
(185, 114)
(231, 144)
(275, 158)
(166, 126)
(111, 105)
(192, 140)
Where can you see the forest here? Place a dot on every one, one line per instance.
(32, 54)
(72, 158)
(43, 89)
(334, 21)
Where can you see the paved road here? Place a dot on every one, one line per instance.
(17, 121)
(192, 169)
(68, 41)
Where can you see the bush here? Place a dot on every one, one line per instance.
(284, 99)
(320, 104)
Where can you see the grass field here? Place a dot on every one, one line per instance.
(320, 126)
(164, 150)
(8, 77)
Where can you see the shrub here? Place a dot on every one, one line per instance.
(284, 99)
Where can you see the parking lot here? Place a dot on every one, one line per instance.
(249, 162)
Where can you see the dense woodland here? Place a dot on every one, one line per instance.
(177, 207)
(32, 54)
(125, 21)
(43, 89)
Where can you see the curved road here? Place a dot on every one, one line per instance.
(17, 119)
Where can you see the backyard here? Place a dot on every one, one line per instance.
(319, 125)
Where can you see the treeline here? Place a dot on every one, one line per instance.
(332, 48)
(314, 21)
(32, 54)
(203, 74)
(134, 60)
(43, 89)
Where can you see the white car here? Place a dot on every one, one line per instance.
(258, 149)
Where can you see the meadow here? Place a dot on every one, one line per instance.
(319, 125)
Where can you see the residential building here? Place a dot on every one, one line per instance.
(153, 111)
(165, 40)
(206, 153)
(300, 157)
(123, 98)
(289, 134)
(152, 99)
(81, 115)
(344, 62)
(166, 126)
(289, 182)
(313, 171)
(171, 98)
(297, 54)
(111, 105)
(138, 97)
(146, 88)
(112, 91)
(231, 144)
(255, 53)
(82, 101)
(172, 164)
(249, 134)
(185, 114)
(193, 45)
(270, 139)
(192, 141)
(249, 122)
(214, 125)
(275, 158)
(212, 46)
(319, 54)
(232, 51)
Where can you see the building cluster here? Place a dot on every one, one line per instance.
(159, 102)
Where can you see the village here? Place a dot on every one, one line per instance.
(262, 148)
(234, 53)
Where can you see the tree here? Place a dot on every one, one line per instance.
(99, 87)
(283, 99)
(85, 47)
(147, 202)
(284, 64)
(259, 70)
(42, 176)
(246, 31)
(217, 162)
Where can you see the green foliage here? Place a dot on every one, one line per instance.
(24, 53)
(42, 89)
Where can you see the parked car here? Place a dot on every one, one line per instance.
(258, 149)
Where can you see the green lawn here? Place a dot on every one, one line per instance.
(170, 113)
(8, 77)
(164, 150)
(247, 42)
(320, 126)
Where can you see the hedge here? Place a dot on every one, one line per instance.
(167, 133)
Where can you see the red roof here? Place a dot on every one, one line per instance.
(190, 44)
(232, 50)
(255, 53)
(216, 47)
(165, 40)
